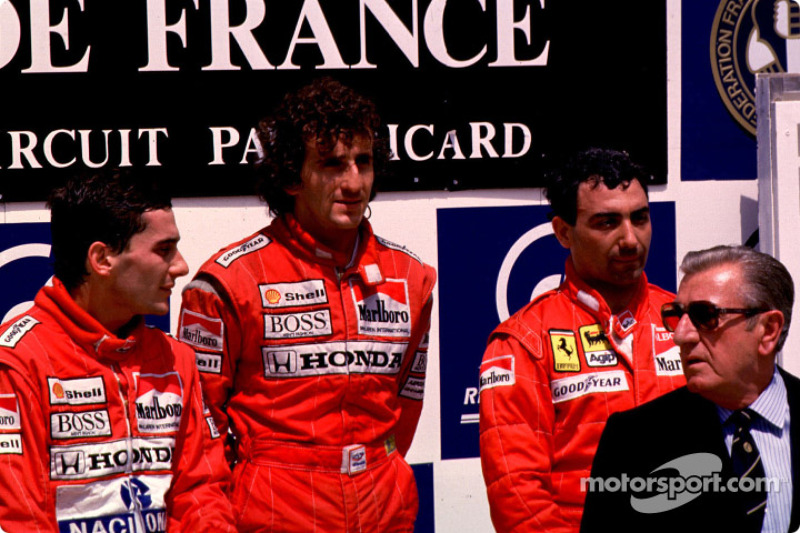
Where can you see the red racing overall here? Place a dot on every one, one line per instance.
(550, 377)
(319, 372)
(99, 433)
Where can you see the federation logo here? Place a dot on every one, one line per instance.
(750, 37)
(565, 351)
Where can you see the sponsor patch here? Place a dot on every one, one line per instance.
(14, 333)
(79, 391)
(87, 461)
(105, 506)
(11, 443)
(384, 309)
(497, 372)
(73, 425)
(354, 357)
(202, 332)
(298, 294)
(9, 413)
(596, 347)
(354, 459)
(413, 388)
(565, 351)
(398, 247)
(256, 243)
(159, 402)
(420, 363)
(298, 325)
(212, 427)
(209, 363)
(573, 387)
(667, 356)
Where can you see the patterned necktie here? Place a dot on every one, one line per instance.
(748, 467)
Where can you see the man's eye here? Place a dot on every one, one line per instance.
(606, 223)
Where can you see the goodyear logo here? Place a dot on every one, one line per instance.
(748, 37)
(565, 351)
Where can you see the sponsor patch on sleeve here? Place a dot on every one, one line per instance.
(9, 413)
(414, 388)
(497, 372)
(573, 387)
(14, 333)
(203, 332)
(11, 443)
(256, 243)
(666, 354)
(565, 351)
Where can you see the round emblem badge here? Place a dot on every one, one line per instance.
(751, 36)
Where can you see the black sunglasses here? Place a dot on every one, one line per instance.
(704, 315)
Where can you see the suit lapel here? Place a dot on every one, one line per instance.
(793, 398)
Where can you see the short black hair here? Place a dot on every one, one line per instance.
(596, 165)
(105, 207)
(326, 112)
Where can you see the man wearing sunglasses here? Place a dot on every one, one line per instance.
(718, 454)
(554, 371)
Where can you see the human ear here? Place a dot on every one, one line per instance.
(772, 325)
(563, 231)
(99, 258)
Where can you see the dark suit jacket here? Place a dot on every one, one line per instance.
(639, 441)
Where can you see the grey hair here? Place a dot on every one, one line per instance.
(767, 283)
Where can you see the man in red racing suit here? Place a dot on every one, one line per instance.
(102, 422)
(314, 365)
(553, 372)
(311, 338)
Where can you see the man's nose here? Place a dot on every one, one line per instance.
(685, 332)
(627, 236)
(179, 266)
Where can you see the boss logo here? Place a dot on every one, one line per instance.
(297, 325)
(76, 425)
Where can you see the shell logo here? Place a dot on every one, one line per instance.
(272, 296)
(58, 390)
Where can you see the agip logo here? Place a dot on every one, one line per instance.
(750, 37)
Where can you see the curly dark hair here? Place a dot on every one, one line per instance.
(325, 111)
(595, 165)
(105, 207)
